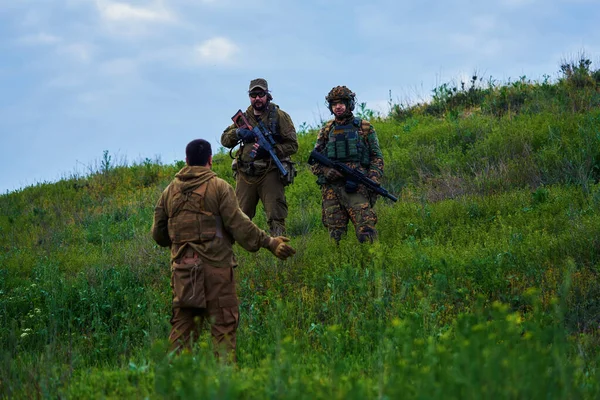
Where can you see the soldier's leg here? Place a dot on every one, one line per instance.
(247, 194)
(333, 214)
(272, 194)
(223, 310)
(362, 215)
(186, 324)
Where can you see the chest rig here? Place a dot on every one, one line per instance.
(188, 221)
(346, 144)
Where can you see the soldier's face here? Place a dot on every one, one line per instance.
(258, 99)
(338, 107)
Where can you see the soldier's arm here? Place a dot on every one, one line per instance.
(239, 226)
(375, 156)
(229, 137)
(317, 168)
(289, 139)
(160, 231)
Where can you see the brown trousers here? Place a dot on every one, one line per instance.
(221, 312)
(269, 189)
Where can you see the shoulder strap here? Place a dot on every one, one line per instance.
(326, 129)
(365, 128)
(274, 120)
(200, 191)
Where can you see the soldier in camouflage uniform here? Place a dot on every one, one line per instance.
(354, 142)
(198, 216)
(258, 177)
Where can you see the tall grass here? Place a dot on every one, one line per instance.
(483, 283)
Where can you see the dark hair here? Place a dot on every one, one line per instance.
(198, 152)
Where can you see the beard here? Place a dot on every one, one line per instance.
(260, 105)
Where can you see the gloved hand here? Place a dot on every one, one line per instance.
(374, 177)
(277, 246)
(258, 152)
(332, 174)
(246, 135)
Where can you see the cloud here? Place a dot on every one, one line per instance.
(78, 51)
(517, 3)
(125, 20)
(39, 39)
(217, 50)
(123, 12)
(484, 23)
(120, 66)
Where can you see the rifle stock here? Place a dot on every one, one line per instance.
(351, 174)
(239, 119)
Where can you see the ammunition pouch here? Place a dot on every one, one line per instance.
(253, 168)
(351, 186)
(290, 167)
(187, 281)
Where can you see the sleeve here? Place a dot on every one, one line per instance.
(375, 156)
(160, 227)
(239, 226)
(317, 168)
(229, 137)
(289, 139)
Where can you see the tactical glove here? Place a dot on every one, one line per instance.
(332, 174)
(245, 135)
(374, 177)
(279, 248)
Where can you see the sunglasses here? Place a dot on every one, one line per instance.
(257, 94)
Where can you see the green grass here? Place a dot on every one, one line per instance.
(484, 283)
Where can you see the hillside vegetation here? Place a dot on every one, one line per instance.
(484, 283)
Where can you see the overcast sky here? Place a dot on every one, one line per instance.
(141, 79)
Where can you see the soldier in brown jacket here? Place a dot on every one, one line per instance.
(198, 216)
(258, 177)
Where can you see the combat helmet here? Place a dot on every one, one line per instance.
(341, 93)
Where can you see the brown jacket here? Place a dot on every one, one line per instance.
(288, 140)
(220, 200)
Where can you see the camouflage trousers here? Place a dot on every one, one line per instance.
(221, 313)
(338, 207)
(269, 189)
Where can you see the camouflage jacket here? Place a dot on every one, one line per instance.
(285, 134)
(369, 140)
(216, 249)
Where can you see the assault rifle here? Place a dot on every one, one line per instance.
(239, 119)
(351, 174)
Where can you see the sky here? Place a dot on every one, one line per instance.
(140, 79)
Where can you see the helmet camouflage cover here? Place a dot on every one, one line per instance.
(340, 93)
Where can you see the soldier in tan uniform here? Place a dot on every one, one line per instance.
(198, 216)
(258, 178)
(351, 141)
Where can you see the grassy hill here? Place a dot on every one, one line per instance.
(484, 283)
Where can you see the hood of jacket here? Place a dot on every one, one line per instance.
(189, 178)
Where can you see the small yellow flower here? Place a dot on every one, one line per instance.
(514, 318)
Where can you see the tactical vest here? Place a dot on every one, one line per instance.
(345, 143)
(273, 125)
(188, 221)
(273, 133)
